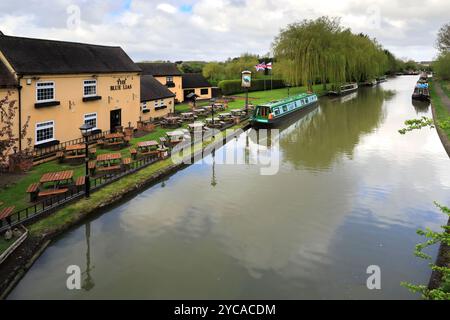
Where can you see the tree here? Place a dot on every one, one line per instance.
(443, 38)
(8, 138)
(442, 65)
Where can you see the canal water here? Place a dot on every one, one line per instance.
(350, 193)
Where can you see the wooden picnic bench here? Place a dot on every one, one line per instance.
(133, 153)
(33, 190)
(52, 192)
(148, 147)
(108, 162)
(5, 214)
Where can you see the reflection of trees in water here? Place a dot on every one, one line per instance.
(336, 129)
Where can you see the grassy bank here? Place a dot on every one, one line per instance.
(442, 114)
(257, 97)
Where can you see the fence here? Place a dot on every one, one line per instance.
(50, 204)
(47, 152)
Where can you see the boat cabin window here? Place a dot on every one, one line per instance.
(263, 111)
(276, 111)
(284, 108)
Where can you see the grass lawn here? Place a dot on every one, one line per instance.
(260, 96)
(442, 114)
(15, 193)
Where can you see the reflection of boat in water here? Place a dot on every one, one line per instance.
(344, 89)
(349, 97)
(421, 106)
(274, 113)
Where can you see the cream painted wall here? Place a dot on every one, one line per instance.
(178, 89)
(69, 115)
(169, 102)
(203, 96)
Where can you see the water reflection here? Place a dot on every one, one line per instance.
(334, 131)
(88, 282)
(421, 106)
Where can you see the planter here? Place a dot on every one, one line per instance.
(20, 163)
(146, 126)
(129, 131)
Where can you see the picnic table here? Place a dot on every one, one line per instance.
(146, 148)
(5, 214)
(237, 112)
(196, 126)
(75, 152)
(187, 115)
(176, 136)
(107, 163)
(199, 111)
(171, 121)
(59, 181)
(114, 139)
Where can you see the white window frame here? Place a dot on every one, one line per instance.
(91, 115)
(92, 83)
(144, 106)
(36, 129)
(169, 79)
(50, 84)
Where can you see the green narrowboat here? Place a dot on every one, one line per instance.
(272, 113)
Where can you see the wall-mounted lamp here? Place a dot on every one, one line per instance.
(29, 80)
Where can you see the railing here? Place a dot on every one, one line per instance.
(50, 204)
(47, 152)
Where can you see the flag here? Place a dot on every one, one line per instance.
(261, 66)
(269, 66)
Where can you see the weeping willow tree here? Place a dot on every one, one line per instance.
(320, 50)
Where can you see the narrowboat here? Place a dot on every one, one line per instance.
(381, 79)
(344, 89)
(275, 112)
(421, 92)
(369, 83)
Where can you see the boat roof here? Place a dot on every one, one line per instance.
(281, 102)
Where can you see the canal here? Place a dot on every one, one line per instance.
(350, 192)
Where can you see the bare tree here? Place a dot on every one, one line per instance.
(443, 38)
(8, 138)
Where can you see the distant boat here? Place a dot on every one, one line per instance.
(381, 79)
(275, 112)
(421, 92)
(423, 77)
(369, 83)
(344, 89)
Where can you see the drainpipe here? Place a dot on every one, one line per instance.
(19, 88)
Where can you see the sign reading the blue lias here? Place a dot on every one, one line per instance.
(121, 85)
(246, 79)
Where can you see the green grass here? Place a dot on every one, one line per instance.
(260, 96)
(442, 114)
(5, 244)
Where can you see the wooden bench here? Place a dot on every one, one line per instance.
(133, 153)
(6, 212)
(92, 151)
(77, 157)
(60, 156)
(33, 190)
(163, 141)
(110, 168)
(126, 162)
(47, 193)
(80, 181)
(91, 166)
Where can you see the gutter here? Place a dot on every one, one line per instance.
(19, 88)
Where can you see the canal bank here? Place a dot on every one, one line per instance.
(440, 101)
(214, 231)
(50, 227)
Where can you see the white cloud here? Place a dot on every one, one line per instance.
(166, 8)
(216, 30)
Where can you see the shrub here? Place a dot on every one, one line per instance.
(234, 86)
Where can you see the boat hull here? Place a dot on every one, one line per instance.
(420, 97)
(342, 93)
(276, 122)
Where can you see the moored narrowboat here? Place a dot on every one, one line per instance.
(421, 92)
(273, 113)
(344, 89)
(381, 79)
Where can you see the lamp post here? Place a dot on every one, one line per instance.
(86, 130)
(213, 102)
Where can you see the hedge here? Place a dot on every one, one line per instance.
(234, 86)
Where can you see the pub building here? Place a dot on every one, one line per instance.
(167, 74)
(61, 85)
(157, 100)
(197, 84)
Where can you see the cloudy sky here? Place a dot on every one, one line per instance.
(218, 29)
